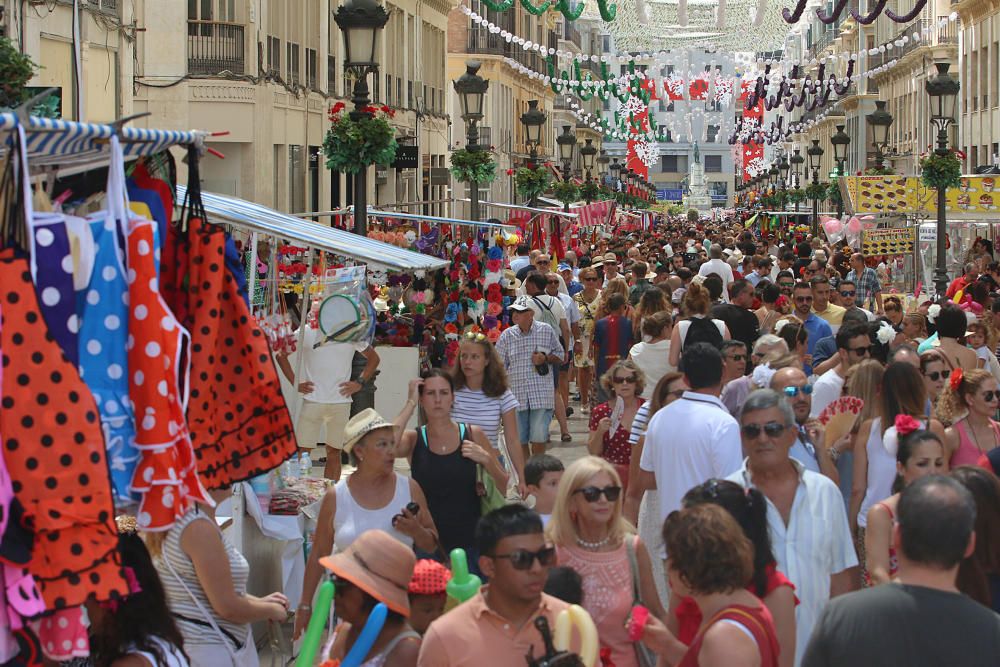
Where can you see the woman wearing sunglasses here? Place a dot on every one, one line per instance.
(611, 422)
(593, 538)
(976, 394)
(936, 373)
(902, 393)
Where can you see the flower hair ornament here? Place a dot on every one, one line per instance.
(933, 311)
(762, 374)
(955, 381)
(905, 425)
(885, 333)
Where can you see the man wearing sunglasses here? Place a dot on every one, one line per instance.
(802, 302)
(691, 440)
(853, 346)
(496, 627)
(810, 446)
(806, 518)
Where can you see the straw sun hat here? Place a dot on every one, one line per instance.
(361, 425)
(378, 564)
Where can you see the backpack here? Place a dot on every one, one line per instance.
(547, 316)
(702, 330)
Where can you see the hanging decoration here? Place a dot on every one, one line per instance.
(607, 11)
(532, 181)
(473, 166)
(351, 145)
(941, 171)
(566, 191)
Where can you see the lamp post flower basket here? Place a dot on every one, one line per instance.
(941, 171)
(816, 191)
(468, 166)
(352, 145)
(796, 195)
(532, 181)
(566, 191)
(833, 193)
(590, 191)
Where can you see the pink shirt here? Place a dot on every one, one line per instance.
(607, 596)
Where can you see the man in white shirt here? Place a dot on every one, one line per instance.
(327, 388)
(853, 346)
(691, 440)
(806, 518)
(718, 266)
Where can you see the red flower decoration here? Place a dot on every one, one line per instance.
(450, 328)
(906, 424)
(955, 381)
(475, 295)
(453, 297)
(510, 172)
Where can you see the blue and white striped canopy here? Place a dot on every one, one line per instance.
(67, 144)
(247, 215)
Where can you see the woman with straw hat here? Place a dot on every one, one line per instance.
(376, 568)
(374, 496)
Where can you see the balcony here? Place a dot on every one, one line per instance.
(571, 34)
(109, 6)
(939, 35)
(486, 43)
(215, 47)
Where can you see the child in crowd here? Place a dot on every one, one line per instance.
(975, 337)
(541, 475)
(427, 593)
(565, 584)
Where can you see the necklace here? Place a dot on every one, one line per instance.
(975, 438)
(593, 546)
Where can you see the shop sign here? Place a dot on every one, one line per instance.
(888, 241)
(381, 174)
(440, 176)
(928, 233)
(976, 196)
(406, 157)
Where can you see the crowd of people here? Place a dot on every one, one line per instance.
(785, 466)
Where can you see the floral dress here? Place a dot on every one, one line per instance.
(617, 451)
(588, 311)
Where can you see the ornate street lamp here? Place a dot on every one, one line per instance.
(616, 170)
(943, 92)
(796, 160)
(471, 89)
(533, 120)
(588, 153)
(879, 122)
(815, 153)
(361, 22)
(841, 140)
(566, 142)
(603, 163)
(783, 167)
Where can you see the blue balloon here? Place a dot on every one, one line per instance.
(369, 633)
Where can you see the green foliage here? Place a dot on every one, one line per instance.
(468, 166)
(941, 171)
(351, 145)
(833, 193)
(816, 191)
(566, 191)
(879, 171)
(532, 181)
(693, 215)
(590, 191)
(796, 195)
(16, 69)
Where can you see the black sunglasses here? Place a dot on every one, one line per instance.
(934, 375)
(631, 379)
(772, 429)
(862, 351)
(847, 294)
(990, 395)
(738, 357)
(592, 493)
(522, 559)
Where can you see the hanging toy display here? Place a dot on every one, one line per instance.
(346, 314)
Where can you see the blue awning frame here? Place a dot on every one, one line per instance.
(259, 218)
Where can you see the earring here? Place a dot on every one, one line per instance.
(360, 460)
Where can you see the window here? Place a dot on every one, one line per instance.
(331, 75)
(713, 164)
(296, 178)
(712, 131)
(718, 189)
(274, 56)
(293, 64)
(388, 89)
(312, 80)
(409, 94)
(668, 163)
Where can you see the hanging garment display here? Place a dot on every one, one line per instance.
(239, 422)
(52, 273)
(158, 356)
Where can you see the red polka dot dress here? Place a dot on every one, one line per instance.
(239, 422)
(54, 449)
(157, 361)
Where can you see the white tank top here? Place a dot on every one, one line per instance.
(881, 470)
(352, 519)
(171, 655)
(684, 325)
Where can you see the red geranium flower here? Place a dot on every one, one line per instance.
(510, 172)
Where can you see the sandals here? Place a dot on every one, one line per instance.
(566, 437)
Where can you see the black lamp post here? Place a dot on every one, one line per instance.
(879, 122)
(772, 175)
(533, 119)
(815, 153)
(943, 92)
(616, 170)
(603, 162)
(566, 142)
(783, 167)
(796, 161)
(361, 22)
(841, 140)
(588, 153)
(471, 89)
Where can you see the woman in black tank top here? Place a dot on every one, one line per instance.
(443, 459)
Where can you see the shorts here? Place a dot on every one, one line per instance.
(534, 424)
(314, 416)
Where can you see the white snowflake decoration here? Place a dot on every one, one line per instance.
(755, 166)
(634, 107)
(648, 152)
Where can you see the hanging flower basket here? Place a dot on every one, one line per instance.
(473, 166)
(566, 191)
(590, 191)
(16, 69)
(796, 196)
(532, 181)
(833, 193)
(816, 191)
(351, 145)
(941, 171)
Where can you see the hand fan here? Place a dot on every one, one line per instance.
(839, 417)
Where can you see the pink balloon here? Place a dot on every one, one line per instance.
(854, 226)
(832, 226)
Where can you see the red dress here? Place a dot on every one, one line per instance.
(689, 615)
(755, 619)
(617, 450)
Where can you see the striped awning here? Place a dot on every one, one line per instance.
(254, 217)
(66, 144)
